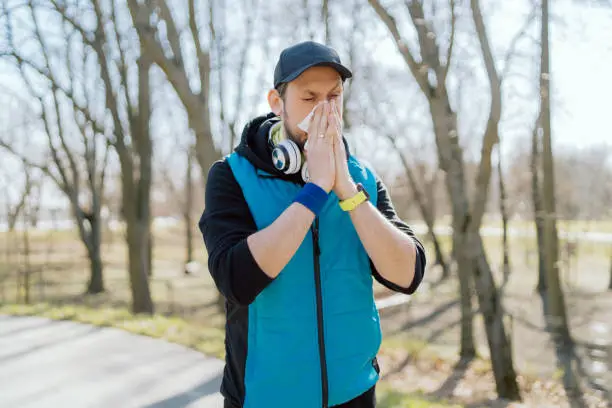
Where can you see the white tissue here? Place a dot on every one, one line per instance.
(306, 122)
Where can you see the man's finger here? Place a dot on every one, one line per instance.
(332, 128)
(324, 120)
(315, 122)
(337, 116)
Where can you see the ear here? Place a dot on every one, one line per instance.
(275, 101)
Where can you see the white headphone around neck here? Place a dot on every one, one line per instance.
(287, 157)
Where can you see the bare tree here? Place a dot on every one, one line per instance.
(610, 284)
(449, 152)
(503, 209)
(430, 74)
(172, 62)
(536, 199)
(219, 37)
(183, 193)
(21, 212)
(555, 299)
(129, 132)
(14, 212)
(77, 168)
(325, 17)
(25, 272)
(421, 186)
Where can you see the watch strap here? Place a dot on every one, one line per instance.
(353, 202)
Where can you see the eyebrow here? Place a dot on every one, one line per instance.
(335, 88)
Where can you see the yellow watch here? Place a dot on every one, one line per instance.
(351, 203)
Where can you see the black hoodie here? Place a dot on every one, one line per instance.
(227, 221)
(225, 225)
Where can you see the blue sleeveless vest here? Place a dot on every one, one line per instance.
(327, 284)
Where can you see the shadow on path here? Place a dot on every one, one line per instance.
(18, 330)
(183, 399)
(52, 343)
(448, 386)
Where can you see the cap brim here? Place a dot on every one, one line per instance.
(342, 70)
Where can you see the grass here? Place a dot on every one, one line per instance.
(562, 225)
(389, 398)
(208, 340)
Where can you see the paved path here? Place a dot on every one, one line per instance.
(50, 364)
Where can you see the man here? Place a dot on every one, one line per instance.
(295, 228)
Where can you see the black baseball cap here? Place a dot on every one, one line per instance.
(299, 57)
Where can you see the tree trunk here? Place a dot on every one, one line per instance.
(27, 262)
(490, 304)
(610, 284)
(426, 207)
(555, 298)
(504, 214)
(150, 249)
(472, 261)
(96, 279)
(136, 194)
(137, 232)
(538, 210)
(554, 302)
(326, 21)
(440, 259)
(452, 164)
(467, 349)
(187, 211)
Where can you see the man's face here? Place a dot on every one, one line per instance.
(314, 85)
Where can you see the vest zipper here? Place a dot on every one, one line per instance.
(317, 271)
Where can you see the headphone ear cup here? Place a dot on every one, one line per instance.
(305, 173)
(286, 157)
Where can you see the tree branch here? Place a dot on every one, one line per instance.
(171, 32)
(242, 69)
(511, 53)
(429, 48)
(64, 14)
(325, 17)
(449, 52)
(60, 129)
(415, 67)
(203, 59)
(121, 64)
(491, 135)
(23, 157)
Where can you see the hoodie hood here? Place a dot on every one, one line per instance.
(255, 146)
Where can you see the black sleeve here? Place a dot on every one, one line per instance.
(225, 225)
(385, 206)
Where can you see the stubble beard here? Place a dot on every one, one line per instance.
(290, 135)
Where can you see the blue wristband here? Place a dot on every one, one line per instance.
(312, 197)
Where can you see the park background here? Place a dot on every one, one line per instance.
(488, 121)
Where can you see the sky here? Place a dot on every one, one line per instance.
(581, 61)
(581, 65)
(581, 72)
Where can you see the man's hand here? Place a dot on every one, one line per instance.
(344, 186)
(319, 149)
